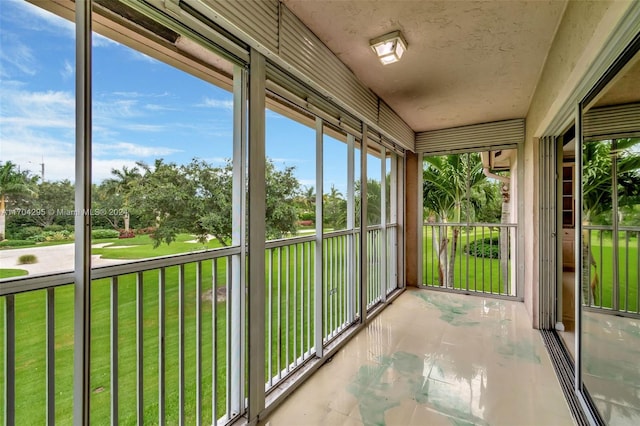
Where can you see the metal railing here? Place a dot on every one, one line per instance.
(290, 328)
(160, 342)
(470, 257)
(167, 333)
(291, 284)
(611, 275)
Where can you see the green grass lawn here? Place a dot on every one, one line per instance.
(470, 272)
(292, 296)
(628, 261)
(31, 346)
(8, 273)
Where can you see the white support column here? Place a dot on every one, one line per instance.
(520, 228)
(383, 223)
(82, 245)
(393, 196)
(578, 258)
(256, 236)
(319, 278)
(236, 303)
(420, 224)
(364, 273)
(393, 212)
(400, 204)
(351, 224)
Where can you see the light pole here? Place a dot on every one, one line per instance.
(41, 168)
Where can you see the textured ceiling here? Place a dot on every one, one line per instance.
(468, 62)
(625, 88)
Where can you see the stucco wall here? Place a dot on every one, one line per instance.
(581, 35)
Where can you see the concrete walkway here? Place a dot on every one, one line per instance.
(51, 259)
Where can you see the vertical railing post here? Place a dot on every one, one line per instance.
(319, 277)
(393, 219)
(615, 234)
(82, 260)
(9, 360)
(351, 224)
(256, 237)
(236, 303)
(383, 225)
(140, 347)
(113, 335)
(51, 356)
(364, 273)
(162, 314)
(420, 225)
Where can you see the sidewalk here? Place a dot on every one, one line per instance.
(51, 259)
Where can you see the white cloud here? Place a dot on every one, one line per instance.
(218, 103)
(53, 109)
(16, 54)
(127, 149)
(98, 40)
(45, 20)
(287, 160)
(145, 127)
(157, 107)
(216, 161)
(67, 70)
(139, 56)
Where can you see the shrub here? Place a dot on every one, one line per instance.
(305, 223)
(307, 216)
(101, 234)
(61, 235)
(126, 234)
(26, 232)
(16, 243)
(37, 238)
(488, 248)
(54, 228)
(26, 259)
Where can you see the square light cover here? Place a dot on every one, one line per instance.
(389, 47)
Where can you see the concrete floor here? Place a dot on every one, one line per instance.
(435, 358)
(611, 366)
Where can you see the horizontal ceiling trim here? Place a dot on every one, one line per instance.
(499, 134)
(272, 29)
(617, 120)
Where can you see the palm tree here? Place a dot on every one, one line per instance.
(447, 184)
(12, 183)
(597, 197)
(122, 184)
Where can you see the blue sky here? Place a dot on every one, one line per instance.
(142, 108)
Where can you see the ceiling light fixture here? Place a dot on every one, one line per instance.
(389, 47)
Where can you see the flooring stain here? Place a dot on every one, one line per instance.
(452, 312)
(521, 350)
(377, 393)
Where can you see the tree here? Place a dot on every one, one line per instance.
(335, 209)
(166, 197)
(598, 168)
(197, 198)
(121, 188)
(597, 176)
(282, 189)
(374, 193)
(12, 183)
(48, 200)
(445, 182)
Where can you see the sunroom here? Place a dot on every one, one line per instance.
(236, 212)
